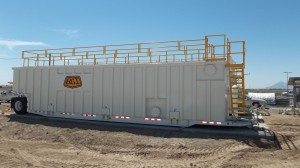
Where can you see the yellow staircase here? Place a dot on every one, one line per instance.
(236, 79)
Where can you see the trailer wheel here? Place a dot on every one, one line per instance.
(256, 104)
(20, 105)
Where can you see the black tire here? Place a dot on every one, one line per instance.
(256, 104)
(19, 105)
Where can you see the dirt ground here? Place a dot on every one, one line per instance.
(44, 143)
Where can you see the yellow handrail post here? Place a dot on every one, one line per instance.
(244, 52)
(166, 56)
(185, 53)
(73, 52)
(149, 52)
(115, 56)
(128, 58)
(87, 55)
(206, 49)
(104, 50)
(179, 45)
(139, 47)
(228, 52)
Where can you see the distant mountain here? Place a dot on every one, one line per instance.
(279, 85)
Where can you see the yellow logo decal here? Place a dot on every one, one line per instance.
(72, 82)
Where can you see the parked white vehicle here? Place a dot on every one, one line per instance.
(6, 95)
(255, 102)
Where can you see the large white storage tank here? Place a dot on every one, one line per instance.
(179, 92)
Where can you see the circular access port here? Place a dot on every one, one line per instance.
(155, 112)
(210, 69)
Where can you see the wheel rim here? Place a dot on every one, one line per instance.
(18, 105)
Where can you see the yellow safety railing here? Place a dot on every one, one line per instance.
(209, 48)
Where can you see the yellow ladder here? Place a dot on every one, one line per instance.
(236, 79)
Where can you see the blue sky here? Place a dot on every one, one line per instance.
(271, 28)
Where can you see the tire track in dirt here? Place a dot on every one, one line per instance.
(27, 141)
(39, 161)
(28, 158)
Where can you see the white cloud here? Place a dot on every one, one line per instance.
(15, 43)
(70, 33)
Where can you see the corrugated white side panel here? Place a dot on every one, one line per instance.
(128, 92)
(162, 82)
(139, 91)
(201, 100)
(217, 93)
(117, 102)
(16, 85)
(77, 106)
(107, 87)
(195, 90)
(69, 101)
(23, 81)
(150, 82)
(97, 91)
(87, 102)
(188, 92)
(60, 101)
(175, 88)
(36, 98)
(29, 86)
(45, 88)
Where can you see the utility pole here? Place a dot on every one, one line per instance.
(287, 81)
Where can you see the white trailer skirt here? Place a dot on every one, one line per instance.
(180, 94)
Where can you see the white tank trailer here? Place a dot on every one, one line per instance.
(173, 83)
